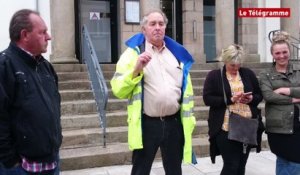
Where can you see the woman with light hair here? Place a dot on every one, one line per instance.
(280, 87)
(242, 97)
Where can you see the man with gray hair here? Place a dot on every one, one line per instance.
(30, 129)
(153, 74)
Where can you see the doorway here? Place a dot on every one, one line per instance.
(100, 17)
(173, 11)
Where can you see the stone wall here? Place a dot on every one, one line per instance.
(248, 28)
(126, 30)
(192, 19)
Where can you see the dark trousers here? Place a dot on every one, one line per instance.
(232, 154)
(166, 134)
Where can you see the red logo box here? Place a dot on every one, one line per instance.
(264, 12)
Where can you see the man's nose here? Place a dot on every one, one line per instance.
(157, 26)
(48, 37)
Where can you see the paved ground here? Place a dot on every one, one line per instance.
(258, 164)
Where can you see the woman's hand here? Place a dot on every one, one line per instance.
(245, 99)
(241, 97)
(236, 97)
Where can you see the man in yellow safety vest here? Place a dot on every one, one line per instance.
(153, 74)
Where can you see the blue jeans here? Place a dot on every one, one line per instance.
(285, 167)
(18, 170)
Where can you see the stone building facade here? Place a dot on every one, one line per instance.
(204, 27)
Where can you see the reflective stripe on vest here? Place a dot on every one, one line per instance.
(137, 96)
(188, 113)
(188, 99)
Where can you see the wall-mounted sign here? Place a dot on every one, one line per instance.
(94, 16)
(132, 11)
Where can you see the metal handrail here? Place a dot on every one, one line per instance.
(99, 86)
(294, 43)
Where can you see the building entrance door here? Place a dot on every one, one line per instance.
(173, 11)
(97, 16)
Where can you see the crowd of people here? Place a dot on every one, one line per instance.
(153, 74)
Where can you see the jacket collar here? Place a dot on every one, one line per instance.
(26, 57)
(290, 69)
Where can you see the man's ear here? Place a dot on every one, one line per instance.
(24, 35)
(143, 29)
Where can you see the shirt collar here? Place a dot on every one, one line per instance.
(37, 57)
(152, 48)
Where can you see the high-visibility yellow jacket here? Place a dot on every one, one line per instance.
(123, 86)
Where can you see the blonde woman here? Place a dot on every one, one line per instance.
(281, 90)
(243, 95)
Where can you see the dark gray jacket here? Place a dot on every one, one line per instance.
(279, 108)
(29, 108)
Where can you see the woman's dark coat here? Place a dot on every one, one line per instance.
(214, 98)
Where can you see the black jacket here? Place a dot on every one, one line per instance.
(29, 108)
(214, 98)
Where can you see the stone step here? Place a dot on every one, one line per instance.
(89, 107)
(95, 156)
(113, 119)
(196, 73)
(86, 94)
(90, 136)
(82, 90)
(75, 71)
(117, 118)
(196, 81)
(80, 80)
(108, 67)
(74, 84)
(71, 76)
(71, 122)
(78, 107)
(196, 66)
(70, 67)
(71, 95)
(118, 154)
(200, 66)
(198, 101)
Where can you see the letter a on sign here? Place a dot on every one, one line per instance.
(94, 16)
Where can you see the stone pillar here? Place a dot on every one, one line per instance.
(291, 24)
(63, 31)
(224, 24)
(248, 32)
(193, 29)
